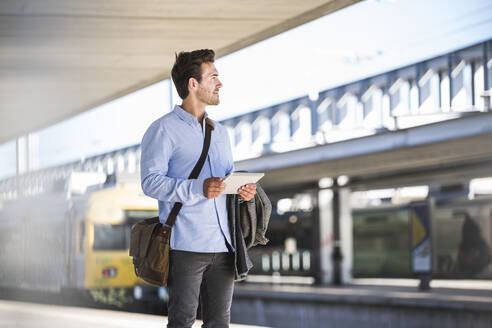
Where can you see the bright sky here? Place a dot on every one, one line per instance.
(365, 39)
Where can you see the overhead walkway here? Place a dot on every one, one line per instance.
(417, 122)
(456, 149)
(426, 122)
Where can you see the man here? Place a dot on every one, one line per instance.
(201, 256)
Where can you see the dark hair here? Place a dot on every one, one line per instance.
(188, 65)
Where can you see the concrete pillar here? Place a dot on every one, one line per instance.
(27, 153)
(346, 235)
(336, 242)
(336, 255)
(21, 155)
(325, 200)
(486, 94)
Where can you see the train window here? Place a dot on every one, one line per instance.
(285, 261)
(275, 261)
(110, 237)
(142, 214)
(295, 261)
(381, 243)
(133, 216)
(462, 238)
(300, 202)
(265, 262)
(306, 260)
(284, 205)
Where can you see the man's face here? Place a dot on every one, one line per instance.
(208, 88)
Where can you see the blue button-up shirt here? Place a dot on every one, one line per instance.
(171, 146)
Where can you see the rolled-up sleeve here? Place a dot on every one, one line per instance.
(156, 151)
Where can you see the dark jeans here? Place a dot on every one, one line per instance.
(205, 276)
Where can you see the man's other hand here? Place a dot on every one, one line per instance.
(247, 192)
(213, 187)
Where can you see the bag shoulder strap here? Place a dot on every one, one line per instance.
(209, 126)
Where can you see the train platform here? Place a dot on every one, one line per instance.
(476, 295)
(378, 303)
(366, 303)
(15, 314)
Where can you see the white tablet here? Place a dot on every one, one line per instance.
(236, 180)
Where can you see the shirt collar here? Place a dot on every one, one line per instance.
(187, 117)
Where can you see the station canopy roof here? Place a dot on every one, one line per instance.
(59, 58)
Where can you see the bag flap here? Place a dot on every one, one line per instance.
(140, 236)
(146, 237)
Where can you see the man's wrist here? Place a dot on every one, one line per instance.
(197, 187)
(241, 200)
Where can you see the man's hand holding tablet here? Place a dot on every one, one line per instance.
(247, 192)
(242, 183)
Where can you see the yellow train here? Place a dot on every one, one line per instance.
(74, 239)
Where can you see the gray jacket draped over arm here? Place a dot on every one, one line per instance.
(248, 223)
